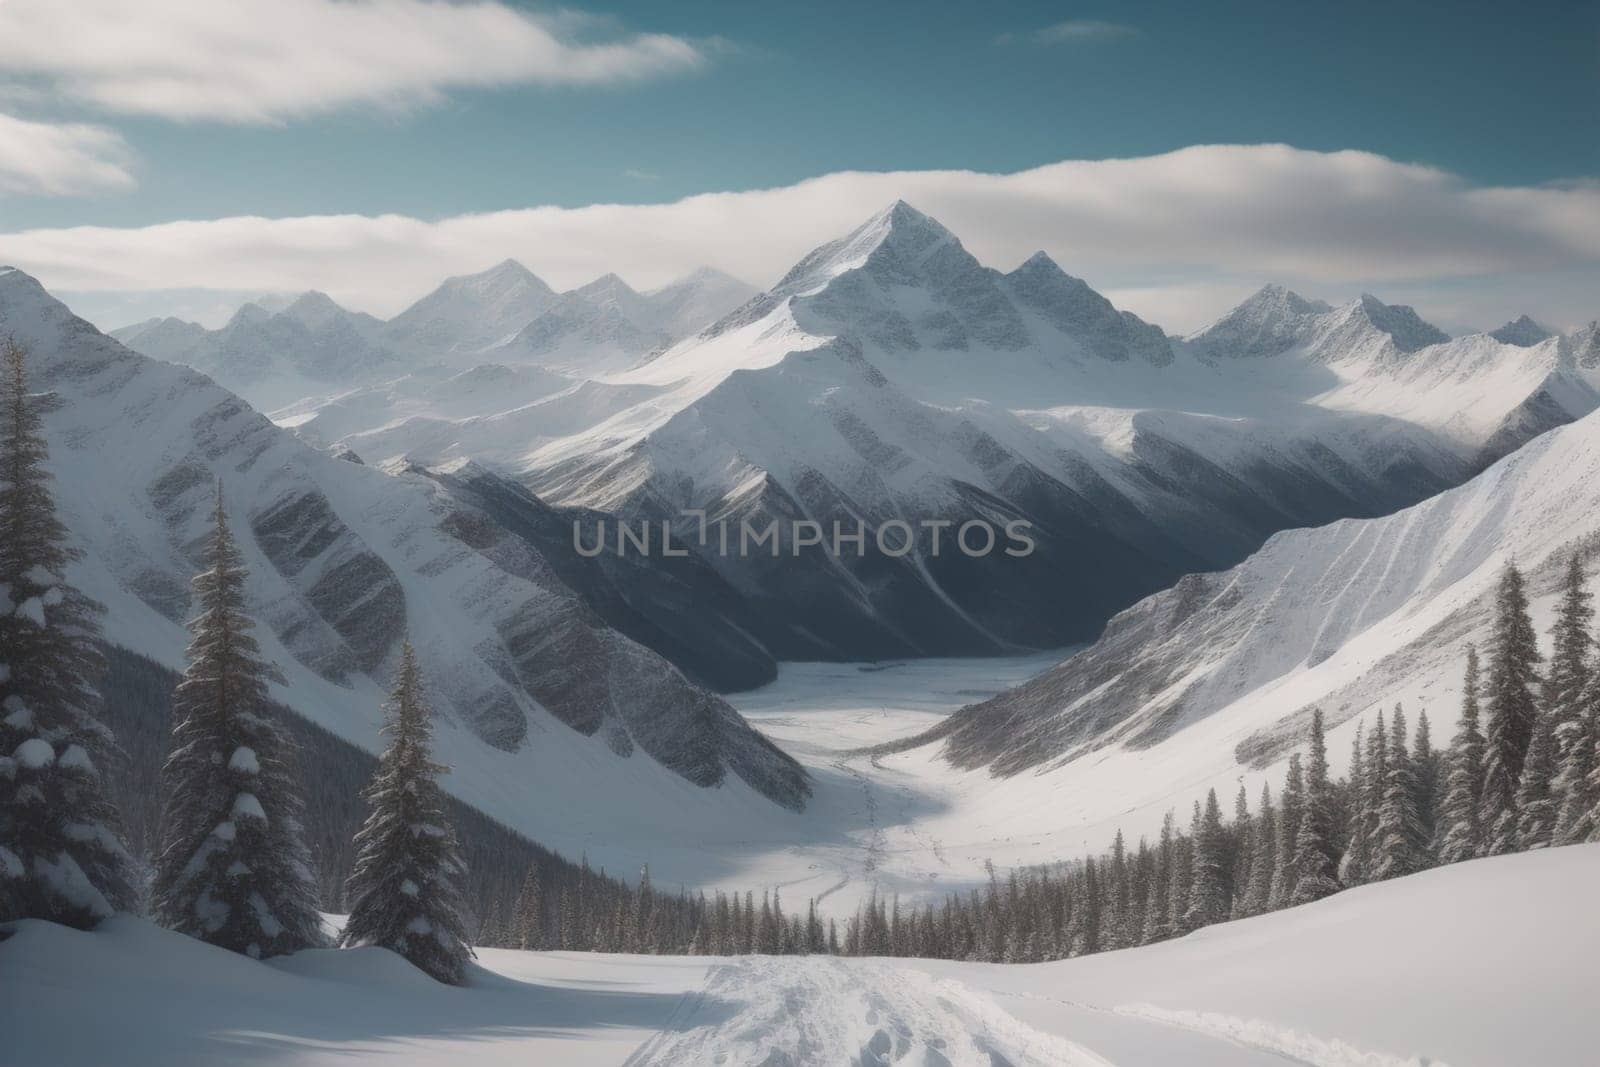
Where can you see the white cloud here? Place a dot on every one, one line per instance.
(56, 159)
(1078, 31)
(1073, 31)
(269, 60)
(1186, 231)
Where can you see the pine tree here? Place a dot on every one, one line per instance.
(1208, 891)
(1288, 832)
(61, 857)
(1425, 761)
(1315, 865)
(530, 911)
(1537, 806)
(1460, 814)
(1157, 915)
(1571, 642)
(405, 888)
(1400, 847)
(1259, 896)
(233, 870)
(1578, 784)
(1355, 859)
(1242, 834)
(1511, 711)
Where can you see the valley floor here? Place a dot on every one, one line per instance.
(1484, 964)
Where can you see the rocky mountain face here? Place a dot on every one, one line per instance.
(347, 560)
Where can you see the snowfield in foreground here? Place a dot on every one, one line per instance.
(1485, 964)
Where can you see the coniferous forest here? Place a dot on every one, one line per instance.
(125, 787)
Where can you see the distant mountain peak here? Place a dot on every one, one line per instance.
(1271, 320)
(1521, 331)
(1401, 322)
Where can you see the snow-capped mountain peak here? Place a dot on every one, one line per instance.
(1401, 322)
(894, 243)
(315, 309)
(1272, 320)
(1072, 306)
(470, 312)
(1521, 331)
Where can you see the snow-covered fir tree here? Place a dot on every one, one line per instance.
(530, 911)
(1578, 784)
(405, 889)
(1460, 826)
(1258, 896)
(61, 857)
(1242, 836)
(1289, 813)
(1511, 709)
(1570, 644)
(1426, 773)
(1208, 890)
(1537, 806)
(1314, 867)
(1400, 843)
(1157, 915)
(233, 869)
(1356, 858)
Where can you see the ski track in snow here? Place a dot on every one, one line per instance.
(797, 1011)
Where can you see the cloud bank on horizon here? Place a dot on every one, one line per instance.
(1177, 236)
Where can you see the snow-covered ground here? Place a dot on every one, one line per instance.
(1485, 964)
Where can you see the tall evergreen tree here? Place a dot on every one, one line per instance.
(233, 870)
(1315, 865)
(1425, 762)
(1571, 643)
(1537, 806)
(1355, 858)
(405, 888)
(1157, 916)
(1208, 890)
(1288, 832)
(1460, 814)
(1264, 861)
(530, 910)
(1242, 834)
(1511, 710)
(1578, 784)
(61, 857)
(1400, 845)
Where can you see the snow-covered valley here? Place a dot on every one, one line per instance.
(1484, 964)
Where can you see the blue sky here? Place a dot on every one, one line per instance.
(647, 103)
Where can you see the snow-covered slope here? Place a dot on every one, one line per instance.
(541, 698)
(1347, 617)
(1484, 964)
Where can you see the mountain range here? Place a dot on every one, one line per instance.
(311, 345)
(889, 376)
(540, 699)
